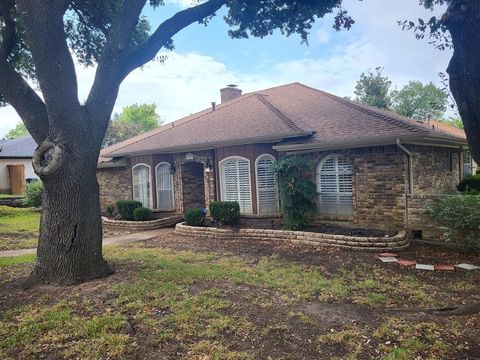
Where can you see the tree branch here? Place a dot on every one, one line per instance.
(54, 66)
(24, 100)
(107, 81)
(14, 88)
(166, 31)
(8, 34)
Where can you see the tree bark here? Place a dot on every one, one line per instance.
(462, 19)
(70, 242)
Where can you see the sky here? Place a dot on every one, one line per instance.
(205, 59)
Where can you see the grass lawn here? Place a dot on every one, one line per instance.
(18, 228)
(193, 298)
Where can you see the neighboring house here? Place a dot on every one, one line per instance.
(372, 168)
(16, 154)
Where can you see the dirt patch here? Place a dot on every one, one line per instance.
(322, 228)
(334, 313)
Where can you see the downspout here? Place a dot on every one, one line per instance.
(410, 166)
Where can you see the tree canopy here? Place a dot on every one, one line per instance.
(133, 120)
(374, 89)
(18, 131)
(417, 101)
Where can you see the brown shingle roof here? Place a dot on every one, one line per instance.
(296, 113)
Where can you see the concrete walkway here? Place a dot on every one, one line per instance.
(116, 240)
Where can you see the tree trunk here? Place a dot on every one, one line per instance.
(70, 243)
(463, 22)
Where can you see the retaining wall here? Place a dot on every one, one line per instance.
(396, 242)
(141, 225)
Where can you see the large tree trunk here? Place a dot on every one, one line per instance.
(463, 22)
(70, 243)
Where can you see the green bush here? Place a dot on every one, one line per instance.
(127, 207)
(142, 214)
(226, 212)
(111, 210)
(470, 184)
(459, 217)
(297, 193)
(194, 217)
(33, 194)
(14, 211)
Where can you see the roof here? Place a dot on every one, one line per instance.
(292, 115)
(23, 147)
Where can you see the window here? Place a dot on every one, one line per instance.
(467, 163)
(165, 189)
(235, 179)
(334, 184)
(141, 185)
(267, 194)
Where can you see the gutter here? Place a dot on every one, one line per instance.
(410, 166)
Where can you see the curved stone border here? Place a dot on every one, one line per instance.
(396, 242)
(141, 225)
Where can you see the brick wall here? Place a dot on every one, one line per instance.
(115, 184)
(436, 173)
(378, 186)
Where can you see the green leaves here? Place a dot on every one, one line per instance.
(297, 193)
(374, 89)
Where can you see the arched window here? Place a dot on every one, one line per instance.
(235, 182)
(165, 189)
(334, 185)
(141, 184)
(267, 194)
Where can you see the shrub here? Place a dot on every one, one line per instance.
(142, 214)
(111, 209)
(470, 184)
(194, 217)
(297, 193)
(14, 211)
(126, 207)
(226, 212)
(459, 217)
(33, 194)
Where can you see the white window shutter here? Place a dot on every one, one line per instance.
(334, 184)
(266, 185)
(165, 188)
(141, 185)
(236, 186)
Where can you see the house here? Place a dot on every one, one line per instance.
(372, 168)
(16, 164)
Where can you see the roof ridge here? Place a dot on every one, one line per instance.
(392, 118)
(289, 122)
(173, 124)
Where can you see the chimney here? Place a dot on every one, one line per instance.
(230, 92)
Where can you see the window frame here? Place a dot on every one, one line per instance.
(257, 188)
(156, 185)
(222, 180)
(150, 206)
(337, 193)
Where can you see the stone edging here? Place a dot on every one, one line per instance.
(141, 225)
(396, 242)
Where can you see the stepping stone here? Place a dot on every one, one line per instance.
(424, 267)
(388, 259)
(444, 267)
(386, 255)
(465, 266)
(406, 262)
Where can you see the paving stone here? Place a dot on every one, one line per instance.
(424, 267)
(407, 262)
(444, 267)
(386, 255)
(465, 266)
(388, 259)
